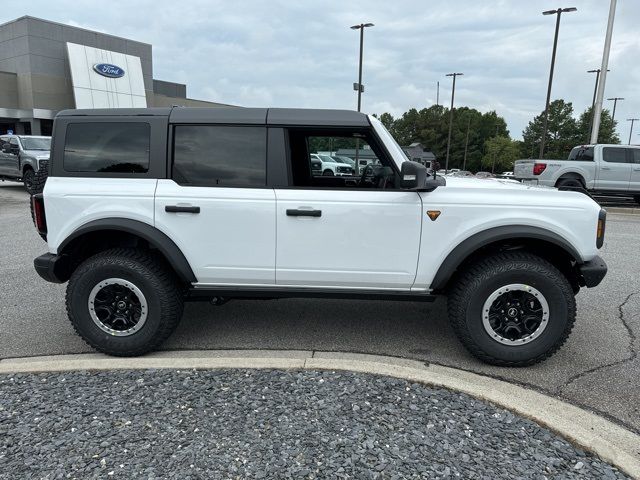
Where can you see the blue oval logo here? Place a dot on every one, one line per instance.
(108, 70)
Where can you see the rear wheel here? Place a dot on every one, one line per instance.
(124, 302)
(569, 182)
(637, 198)
(512, 309)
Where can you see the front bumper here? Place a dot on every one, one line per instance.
(53, 268)
(593, 271)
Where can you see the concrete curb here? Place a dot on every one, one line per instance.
(609, 441)
(623, 211)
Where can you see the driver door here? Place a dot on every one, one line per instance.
(339, 233)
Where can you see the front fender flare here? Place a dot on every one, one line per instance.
(151, 234)
(491, 235)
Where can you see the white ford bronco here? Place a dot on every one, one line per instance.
(144, 209)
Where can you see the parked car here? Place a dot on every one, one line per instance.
(343, 159)
(331, 166)
(601, 168)
(484, 175)
(506, 175)
(461, 173)
(20, 157)
(138, 228)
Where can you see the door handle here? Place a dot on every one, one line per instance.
(298, 212)
(605, 168)
(181, 209)
(636, 169)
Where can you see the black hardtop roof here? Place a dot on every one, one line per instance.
(235, 115)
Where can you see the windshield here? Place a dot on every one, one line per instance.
(36, 143)
(394, 149)
(327, 158)
(338, 160)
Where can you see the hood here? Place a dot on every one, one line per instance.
(492, 183)
(40, 154)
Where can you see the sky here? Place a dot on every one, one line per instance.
(302, 53)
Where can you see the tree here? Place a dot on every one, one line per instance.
(430, 127)
(607, 132)
(500, 154)
(562, 132)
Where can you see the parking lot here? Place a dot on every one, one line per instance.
(597, 368)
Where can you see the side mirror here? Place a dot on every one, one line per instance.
(15, 149)
(415, 176)
(6, 148)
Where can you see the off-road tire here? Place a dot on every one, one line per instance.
(474, 285)
(39, 180)
(146, 271)
(28, 178)
(569, 182)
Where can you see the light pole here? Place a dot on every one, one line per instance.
(466, 145)
(358, 86)
(593, 102)
(557, 12)
(632, 120)
(615, 102)
(453, 92)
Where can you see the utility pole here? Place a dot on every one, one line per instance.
(593, 102)
(632, 120)
(615, 102)
(438, 93)
(466, 144)
(603, 73)
(453, 92)
(557, 12)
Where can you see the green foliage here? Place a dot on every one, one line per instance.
(500, 154)
(564, 132)
(430, 127)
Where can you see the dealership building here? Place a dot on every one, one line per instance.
(46, 67)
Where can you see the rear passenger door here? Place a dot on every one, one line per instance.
(634, 184)
(614, 171)
(216, 206)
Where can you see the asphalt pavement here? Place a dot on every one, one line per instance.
(597, 368)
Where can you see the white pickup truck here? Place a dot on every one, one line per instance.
(610, 169)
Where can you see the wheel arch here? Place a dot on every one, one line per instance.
(102, 234)
(544, 243)
(572, 175)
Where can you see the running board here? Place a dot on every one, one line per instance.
(248, 293)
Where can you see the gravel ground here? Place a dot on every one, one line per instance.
(267, 424)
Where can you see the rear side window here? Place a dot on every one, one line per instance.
(614, 155)
(581, 154)
(107, 147)
(220, 156)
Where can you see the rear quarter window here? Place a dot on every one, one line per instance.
(107, 147)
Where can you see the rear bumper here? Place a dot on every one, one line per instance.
(53, 268)
(593, 271)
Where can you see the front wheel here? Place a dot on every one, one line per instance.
(124, 302)
(327, 173)
(512, 309)
(27, 178)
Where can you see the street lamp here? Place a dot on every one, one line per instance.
(615, 102)
(593, 102)
(453, 92)
(359, 87)
(557, 12)
(632, 120)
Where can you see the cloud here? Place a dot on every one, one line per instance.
(303, 54)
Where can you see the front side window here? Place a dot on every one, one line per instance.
(107, 147)
(36, 143)
(614, 155)
(219, 156)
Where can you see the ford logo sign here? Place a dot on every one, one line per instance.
(108, 70)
